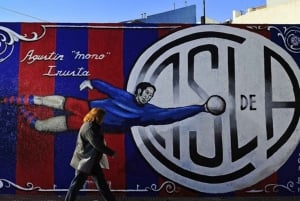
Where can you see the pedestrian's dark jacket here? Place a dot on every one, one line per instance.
(89, 148)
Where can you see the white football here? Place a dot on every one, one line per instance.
(215, 105)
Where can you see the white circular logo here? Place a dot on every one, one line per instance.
(252, 139)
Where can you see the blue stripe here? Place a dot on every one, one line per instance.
(8, 124)
(287, 174)
(68, 39)
(287, 39)
(138, 172)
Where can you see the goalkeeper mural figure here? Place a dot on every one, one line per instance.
(123, 109)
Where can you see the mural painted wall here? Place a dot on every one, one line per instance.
(224, 118)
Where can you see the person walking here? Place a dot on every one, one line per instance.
(90, 148)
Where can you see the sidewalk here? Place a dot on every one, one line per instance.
(95, 198)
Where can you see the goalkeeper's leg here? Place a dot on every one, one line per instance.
(53, 101)
(52, 124)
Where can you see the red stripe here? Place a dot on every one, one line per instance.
(26, 99)
(107, 44)
(12, 100)
(35, 151)
(19, 100)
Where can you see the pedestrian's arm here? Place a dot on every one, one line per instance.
(97, 141)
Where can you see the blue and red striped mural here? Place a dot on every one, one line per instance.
(250, 149)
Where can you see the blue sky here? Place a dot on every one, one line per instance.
(112, 10)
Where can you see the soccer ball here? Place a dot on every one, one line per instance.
(215, 105)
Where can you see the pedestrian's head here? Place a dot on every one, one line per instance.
(144, 91)
(94, 115)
